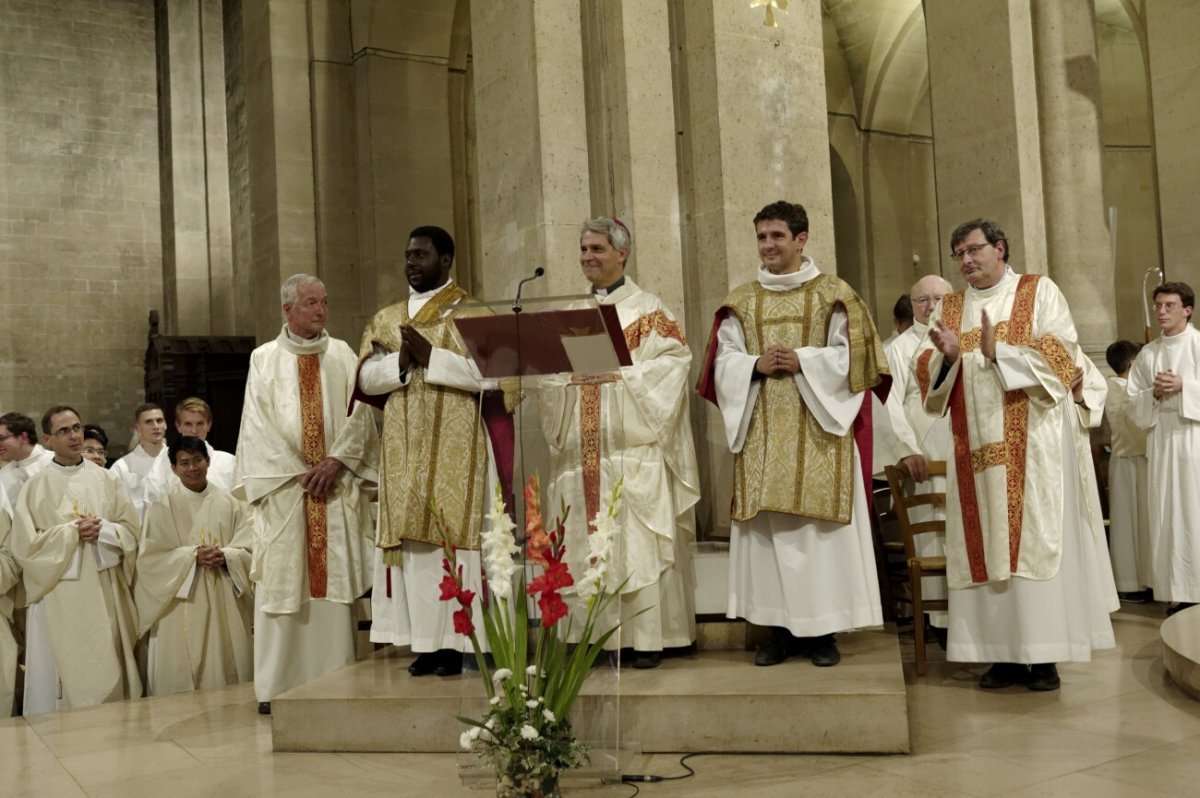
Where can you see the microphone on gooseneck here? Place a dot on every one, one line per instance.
(538, 272)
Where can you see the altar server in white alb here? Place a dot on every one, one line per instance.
(75, 538)
(308, 471)
(135, 468)
(25, 456)
(790, 361)
(1029, 582)
(1128, 496)
(633, 425)
(1164, 398)
(193, 590)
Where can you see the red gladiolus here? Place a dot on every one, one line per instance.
(553, 608)
(462, 622)
(555, 577)
(449, 588)
(465, 597)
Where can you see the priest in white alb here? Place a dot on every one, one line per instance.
(308, 471)
(631, 425)
(135, 468)
(1128, 488)
(1029, 586)
(1164, 398)
(193, 591)
(790, 361)
(75, 538)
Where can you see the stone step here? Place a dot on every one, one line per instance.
(1181, 649)
(714, 700)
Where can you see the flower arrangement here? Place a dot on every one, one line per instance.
(526, 735)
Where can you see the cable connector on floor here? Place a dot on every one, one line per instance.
(636, 777)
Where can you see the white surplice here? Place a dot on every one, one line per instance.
(405, 609)
(1173, 452)
(812, 577)
(645, 439)
(221, 474)
(81, 624)
(297, 637)
(16, 473)
(135, 469)
(1128, 498)
(1054, 606)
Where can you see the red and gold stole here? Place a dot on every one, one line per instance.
(312, 435)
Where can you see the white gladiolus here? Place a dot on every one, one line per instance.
(529, 733)
(600, 550)
(498, 546)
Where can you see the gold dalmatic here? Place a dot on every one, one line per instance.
(434, 449)
(312, 432)
(789, 463)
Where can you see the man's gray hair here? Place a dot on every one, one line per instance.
(613, 229)
(289, 292)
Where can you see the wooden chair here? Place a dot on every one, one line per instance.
(918, 566)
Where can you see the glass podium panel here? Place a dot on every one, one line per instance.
(554, 367)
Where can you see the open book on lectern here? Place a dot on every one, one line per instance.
(532, 343)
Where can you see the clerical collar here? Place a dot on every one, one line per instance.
(1179, 336)
(786, 282)
(601, 293)
(65, 467)
(1008, 274)
(430, 294)
(297, 339)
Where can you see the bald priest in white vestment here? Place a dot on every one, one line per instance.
(1029, 586)
(308, 471)
(193, 591)
(75, 538)
(790, 363)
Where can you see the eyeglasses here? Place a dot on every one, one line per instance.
(94, 450)
(972, 250)
(63, 431)
(925, 300)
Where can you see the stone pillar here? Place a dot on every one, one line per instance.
(631, 137)
(1078, 245)
(1171, 28)
(279, 147)
(531, 143)
(197, 249)
(987, 148)
(753, 114)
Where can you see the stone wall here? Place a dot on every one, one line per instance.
(80, 241)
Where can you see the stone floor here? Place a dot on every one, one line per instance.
(1118, 727)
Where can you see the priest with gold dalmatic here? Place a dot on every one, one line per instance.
(308, 471)
(75, 537)
(791, 359)
(436, 450)
(631, 425)
(1029, 581)
(193, 592)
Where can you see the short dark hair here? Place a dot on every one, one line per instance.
(142, 408)
(18, 424)
(95, 432)
(187, 443)
(902, 311)
(442, 241)
(991, 231)
(1120, 354)
(1186, 295)
(791, 213)
(54, 411)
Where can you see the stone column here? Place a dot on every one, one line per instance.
(1078, 246)
(197, 249)
(987, 148)
(631, 136)
(279, 147)
(531, 143)
(753, 114)
(1171, 28)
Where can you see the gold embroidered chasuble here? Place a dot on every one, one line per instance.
(434, 444)
(789, 463)
(1005, 501)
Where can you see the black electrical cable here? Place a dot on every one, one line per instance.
(631, 778)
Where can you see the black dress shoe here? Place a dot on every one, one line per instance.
(1183, 605)
(824, 652)
(775, 651)
(940, 633)
(1135, 596)
(450, 662)
(1004, 674)
(1044, 677)
(645, 660)
(264, 707)
(424, 664)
